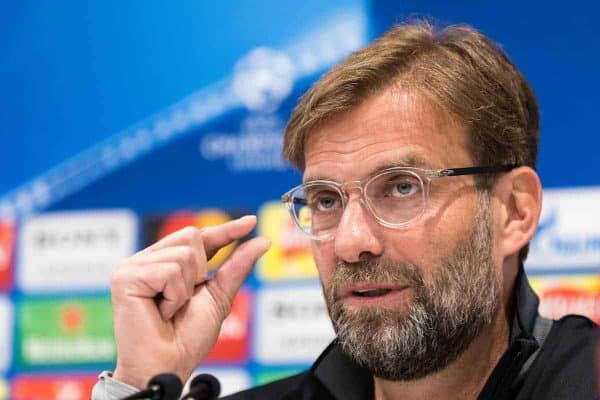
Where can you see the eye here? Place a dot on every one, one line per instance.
(324, 201)
(397, 186)
(402, 189)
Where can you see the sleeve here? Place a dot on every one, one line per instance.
(108, 388)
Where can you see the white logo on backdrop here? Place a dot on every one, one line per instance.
(262, 79)
(256, 147)
(74, 250)
(292, 325)
(568, 235)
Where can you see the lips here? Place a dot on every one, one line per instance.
(369, 290)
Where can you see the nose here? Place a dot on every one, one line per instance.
(354, 237)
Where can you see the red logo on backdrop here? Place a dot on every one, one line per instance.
(157, 227)
(52, 387)
(557, 302)
(72, 318)
(232, 344)
(7, 240)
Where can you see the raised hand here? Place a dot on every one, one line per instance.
(167, 315)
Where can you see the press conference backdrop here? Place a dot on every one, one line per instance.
(122, 122)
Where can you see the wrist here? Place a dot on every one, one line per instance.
(138, 380)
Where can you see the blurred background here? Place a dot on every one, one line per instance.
(123, 121)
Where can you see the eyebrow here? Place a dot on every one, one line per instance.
(408, 161)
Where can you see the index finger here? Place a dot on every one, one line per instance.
(209, 239)
(216, 237)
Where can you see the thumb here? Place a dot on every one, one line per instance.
(235, 270)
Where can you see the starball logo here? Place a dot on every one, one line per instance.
(262, 80)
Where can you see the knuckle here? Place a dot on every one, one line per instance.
(178, 281)
(187, 256)
(196, 236)
(190, 233)
(172, 271)
(120, 275)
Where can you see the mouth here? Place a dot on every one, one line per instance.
(366, 294)
(370, 292)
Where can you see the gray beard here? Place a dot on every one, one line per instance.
(443, 319)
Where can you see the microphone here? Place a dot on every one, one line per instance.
(203, 387)
(160, 387)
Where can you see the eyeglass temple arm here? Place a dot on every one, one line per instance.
(476, 170)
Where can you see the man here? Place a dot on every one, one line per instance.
(420, 195)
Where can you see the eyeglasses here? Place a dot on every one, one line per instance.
(395, 197)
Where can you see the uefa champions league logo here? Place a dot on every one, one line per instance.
(262, 79)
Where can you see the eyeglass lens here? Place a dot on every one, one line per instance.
(394, 197)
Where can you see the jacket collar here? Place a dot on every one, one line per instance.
(341, 376)
(347, 380)
(526, 305)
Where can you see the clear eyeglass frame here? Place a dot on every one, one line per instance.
(423, 176)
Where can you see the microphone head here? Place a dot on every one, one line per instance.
(210, 382)
(170, 386)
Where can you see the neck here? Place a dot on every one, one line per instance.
(462, 379)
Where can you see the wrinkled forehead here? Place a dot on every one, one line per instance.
(396, 127)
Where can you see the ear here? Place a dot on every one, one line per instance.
(520, 203)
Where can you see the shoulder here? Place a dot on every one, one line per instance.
(573, 342)
(566, 365)
(571, 338)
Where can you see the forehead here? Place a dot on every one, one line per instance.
(393, 127)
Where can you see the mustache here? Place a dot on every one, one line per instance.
(376, 271)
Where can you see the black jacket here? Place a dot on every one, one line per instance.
(562, 368)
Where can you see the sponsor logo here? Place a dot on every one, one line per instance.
(289, 256)
(232, 380)
(569, 231)
(50, 387)
(292, 325)
(157, 227)
(4, 390)
(56, 332)
(256, 147)
(232, 344)
(574, 294)
(6, 332)
(74, 250)
(7, 240)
